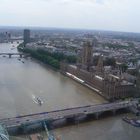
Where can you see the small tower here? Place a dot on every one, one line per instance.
(87, 55)
(100, 66)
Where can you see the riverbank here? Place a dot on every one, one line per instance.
(80, 81)
(51, 58)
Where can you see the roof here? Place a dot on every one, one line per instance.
(98, 77)
(114, 76)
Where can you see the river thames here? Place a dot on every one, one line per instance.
(23, 79)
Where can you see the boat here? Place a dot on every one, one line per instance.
(38, 100)
(133, 121)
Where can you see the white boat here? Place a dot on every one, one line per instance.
(38, 100)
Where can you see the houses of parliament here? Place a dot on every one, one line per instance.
(110, 83)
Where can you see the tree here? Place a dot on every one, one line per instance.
(110, 62)
(124, 67)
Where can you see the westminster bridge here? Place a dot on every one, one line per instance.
(27, 123)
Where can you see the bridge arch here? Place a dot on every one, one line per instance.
(107, 113)
(122, 110)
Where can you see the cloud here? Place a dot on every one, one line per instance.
(76, 1)
(95, 14)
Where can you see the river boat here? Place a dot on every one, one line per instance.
(38, 100)
(133, 121)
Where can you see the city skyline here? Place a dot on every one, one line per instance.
(115, 15)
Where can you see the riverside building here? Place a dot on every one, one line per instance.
(110, 84)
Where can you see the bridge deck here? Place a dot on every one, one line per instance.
(12, 54)
(65, 113)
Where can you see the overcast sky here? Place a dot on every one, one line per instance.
(118, 15)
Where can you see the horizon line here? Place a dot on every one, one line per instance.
(63, 28)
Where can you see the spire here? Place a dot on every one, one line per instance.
(87, 54)
(100, 66)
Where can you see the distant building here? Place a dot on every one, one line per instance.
(26, 36)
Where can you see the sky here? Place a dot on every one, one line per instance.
(116, 15)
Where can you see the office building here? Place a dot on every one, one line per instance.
(26, 37)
